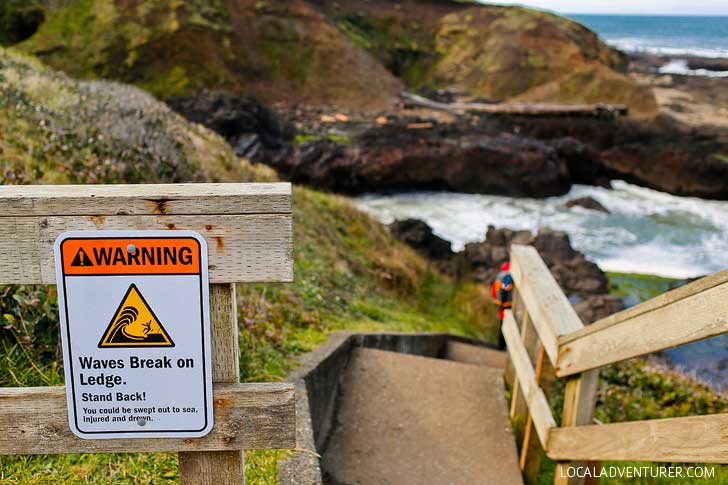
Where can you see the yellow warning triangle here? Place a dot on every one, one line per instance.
(135, 325)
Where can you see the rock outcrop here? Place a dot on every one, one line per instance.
(418, 235)
(488, 51)
(346, 53)
(585, 284)
(436, 158)
(278, 51)
(254, 131)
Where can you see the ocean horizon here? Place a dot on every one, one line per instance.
(667, 35)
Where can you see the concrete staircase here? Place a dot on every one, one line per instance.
(405, 419)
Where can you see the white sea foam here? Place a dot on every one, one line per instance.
(657, 46)
(647, 231)
(680, 66)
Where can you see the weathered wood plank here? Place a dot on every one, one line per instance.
(665, 299)
(531, 449)
(538, 406)
(253, 416)
(148, 199)
(216, 467)
(695, 439)
(242, 248)
(579, 402)
(551, 313)
(677, 318)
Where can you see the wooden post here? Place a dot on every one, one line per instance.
(519, 408)
(219, 467)
(579, 401)
(531, 449)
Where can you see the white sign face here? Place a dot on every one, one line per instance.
(135, 327)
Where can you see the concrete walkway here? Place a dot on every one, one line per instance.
(404, 419)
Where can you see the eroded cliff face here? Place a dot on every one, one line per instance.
(349, 53)
(282, 51)
(490, 51)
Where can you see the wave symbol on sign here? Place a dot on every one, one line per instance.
(135, 325)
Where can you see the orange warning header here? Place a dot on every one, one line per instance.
(121, 256)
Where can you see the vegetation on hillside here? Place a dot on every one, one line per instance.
(350, 272)
(340, 53)
(278, 51)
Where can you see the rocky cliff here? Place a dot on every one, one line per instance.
(346, 53)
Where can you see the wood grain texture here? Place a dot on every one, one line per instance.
(253, 416)
(579, 402)
(531, 449)
(538, 406)
(665, 299)
(546, 303)
(213, 468)
(147, 199)
(674, 320)
(228, 467)
(241, 248)
(695, 439)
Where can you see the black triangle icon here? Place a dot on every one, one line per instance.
(81, 259)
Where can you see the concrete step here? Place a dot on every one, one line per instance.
(404, 420)
(476, 355)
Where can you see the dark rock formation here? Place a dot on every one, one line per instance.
(574, 273)
(253, 130)
(580, 279)
(440, 158)
(597, 307)
(419, 235)
(662, 153)
(587, 203)
(708, 64)
(581, 159)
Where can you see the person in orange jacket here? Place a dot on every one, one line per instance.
(502, 292)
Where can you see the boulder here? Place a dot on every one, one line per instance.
(419, 235)
(597, 307)
(589, 203)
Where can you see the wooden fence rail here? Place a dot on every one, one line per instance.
(691, 313)
(249, 233)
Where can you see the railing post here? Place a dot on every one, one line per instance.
(219, 467)
(579, 402)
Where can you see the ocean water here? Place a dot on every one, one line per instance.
(647, 232)
(668, 35)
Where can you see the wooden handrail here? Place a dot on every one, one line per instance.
(538, 405)
(690, 313)
(550, 310)
(694, 439)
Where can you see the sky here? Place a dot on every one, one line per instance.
(645, 7)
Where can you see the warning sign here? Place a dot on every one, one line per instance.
(135, 325)
(135, 320)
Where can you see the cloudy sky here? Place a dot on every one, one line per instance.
(668, 7)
